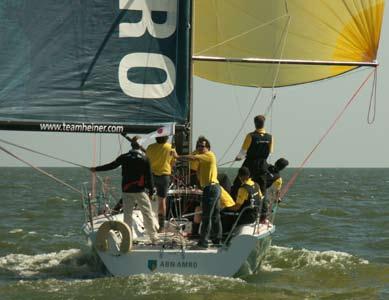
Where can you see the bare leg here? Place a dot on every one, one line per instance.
(161, 212)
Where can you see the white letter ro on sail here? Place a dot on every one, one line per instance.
(147, 60)
(159, 31)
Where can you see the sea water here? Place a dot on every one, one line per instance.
(331, 242)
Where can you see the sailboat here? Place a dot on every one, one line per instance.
(126, 66)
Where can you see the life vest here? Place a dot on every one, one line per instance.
(271, 176)
(253, 202)
(260, 146)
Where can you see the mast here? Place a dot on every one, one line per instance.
(190, 135)
(183, 137)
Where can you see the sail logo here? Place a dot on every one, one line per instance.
(151, 62)
(152, 264)
(83, 127)
(168, 264)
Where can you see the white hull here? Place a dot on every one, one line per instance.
(242, 256)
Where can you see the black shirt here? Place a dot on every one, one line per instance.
(272, 175)
(136, 171)
(259, 148)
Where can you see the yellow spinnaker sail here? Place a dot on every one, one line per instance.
(308, 30)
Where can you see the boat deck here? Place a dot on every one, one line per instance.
(172, 241)
(174, 237)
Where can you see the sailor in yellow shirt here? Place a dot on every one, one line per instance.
(161, 156)
(247, 191)
(226, 200)
(207, 176)
(193, 166)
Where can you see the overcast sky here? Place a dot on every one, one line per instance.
(299, 118)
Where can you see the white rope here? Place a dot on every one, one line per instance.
(285, 34)
(43, 154)
(238, 35)
(42, 171)
(371, 114)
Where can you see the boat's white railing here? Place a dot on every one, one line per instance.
(102, 203)
(257, 208)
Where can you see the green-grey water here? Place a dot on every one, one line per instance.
(331, 242)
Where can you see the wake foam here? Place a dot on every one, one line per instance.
(142, 285)
(281, 258)
(72, 262)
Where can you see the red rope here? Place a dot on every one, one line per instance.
(297, 173)
(93, 174)
(41, 171)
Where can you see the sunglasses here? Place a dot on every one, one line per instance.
(201, 146)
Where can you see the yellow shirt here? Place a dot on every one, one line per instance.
(247, 140)
(194, 164)
(243, 193)
(277, 184)
(225, 199)
(207, 169)
(160, 158)
(273, 191)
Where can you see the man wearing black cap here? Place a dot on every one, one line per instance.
(274, 179)
(136, 182)
(256, 149)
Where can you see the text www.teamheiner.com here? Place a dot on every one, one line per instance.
(81, 128)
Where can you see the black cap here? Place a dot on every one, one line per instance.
(281, 164)
(244, 172)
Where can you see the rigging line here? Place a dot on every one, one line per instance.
(234, 90)
(286, 7)
(241, 34)
(226, 163)
(100, 147)
(229, 72)
(260, 90)
(93, 174)
(269, 109)
(228, 65)
(373, 101)
(101, 181)
(274, 94)
(42, 171)
(338, 117)
(243, 124)
(120, 151)
(43, 154)
(285, 35)
(346, 74)
(270, 106)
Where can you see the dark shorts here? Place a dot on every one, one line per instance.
(161, 184)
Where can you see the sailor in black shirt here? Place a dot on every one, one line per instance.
(136, 181)
(256, 148)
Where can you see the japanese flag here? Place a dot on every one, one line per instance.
(166, 130)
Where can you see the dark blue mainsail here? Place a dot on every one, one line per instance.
(123, 62)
